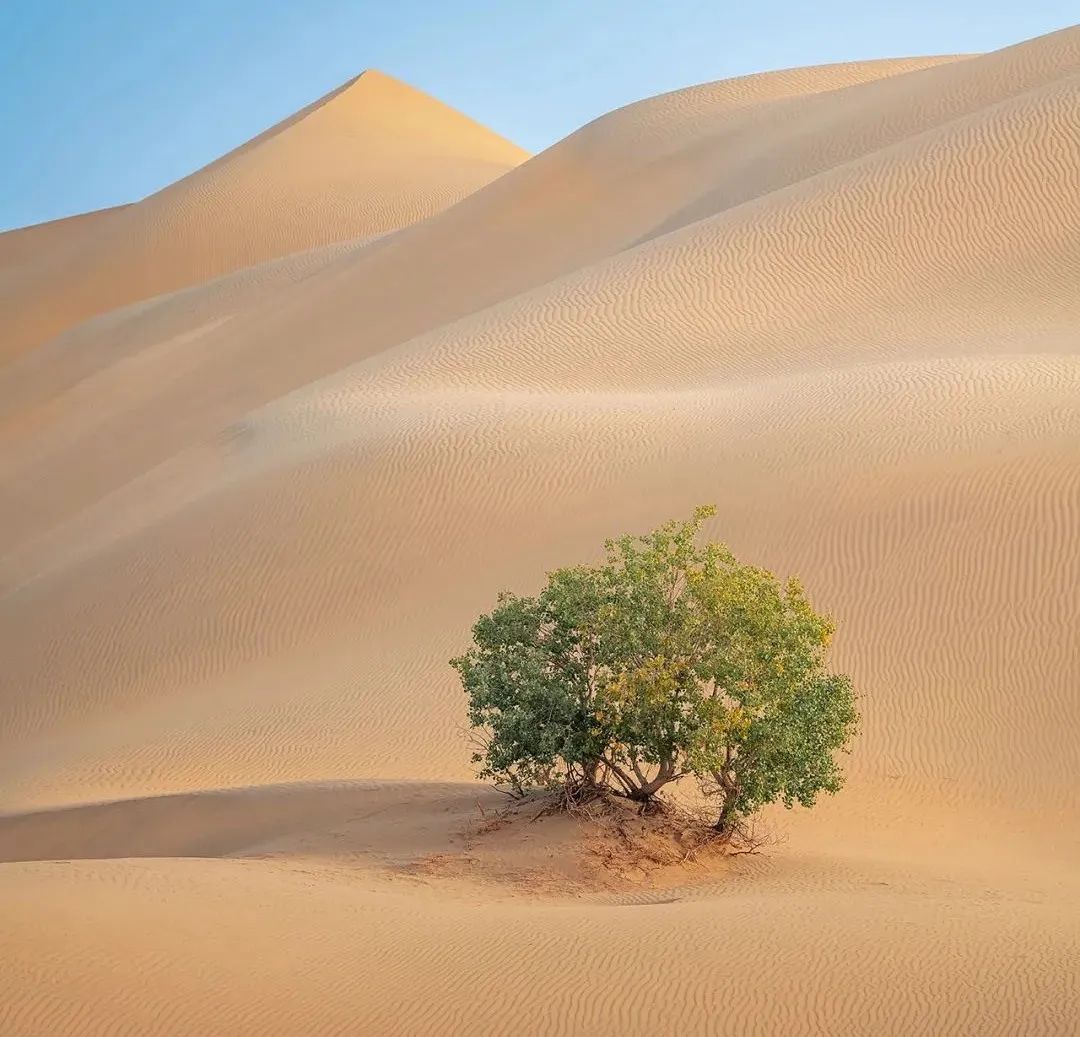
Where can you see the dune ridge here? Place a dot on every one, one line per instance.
(245, 523)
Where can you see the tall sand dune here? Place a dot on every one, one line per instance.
(244, 525)
(372, 156)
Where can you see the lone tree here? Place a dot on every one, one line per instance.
(667, 660)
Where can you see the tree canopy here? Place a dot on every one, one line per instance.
(667, 660)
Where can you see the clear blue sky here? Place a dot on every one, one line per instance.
(105, 101)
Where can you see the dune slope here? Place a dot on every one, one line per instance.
(246, 524)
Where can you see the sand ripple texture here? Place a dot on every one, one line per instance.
(252, 498)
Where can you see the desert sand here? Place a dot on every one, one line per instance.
(272, 438)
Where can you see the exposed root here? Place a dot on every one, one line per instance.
(623, 839)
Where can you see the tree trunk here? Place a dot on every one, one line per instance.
(621, 776)
(726, 820)
(648, 789)
(727, 781)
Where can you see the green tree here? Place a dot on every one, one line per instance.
(666, 660)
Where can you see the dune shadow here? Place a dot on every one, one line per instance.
(388, 820)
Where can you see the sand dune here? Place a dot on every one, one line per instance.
(607, 187)
(245, 524)
(325, 938)
(372, 156)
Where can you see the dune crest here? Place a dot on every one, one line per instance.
(244, 524)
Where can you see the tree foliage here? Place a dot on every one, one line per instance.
(666, 660)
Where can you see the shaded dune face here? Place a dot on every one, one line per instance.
(244, 523)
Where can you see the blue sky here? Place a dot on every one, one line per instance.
(106, 101)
